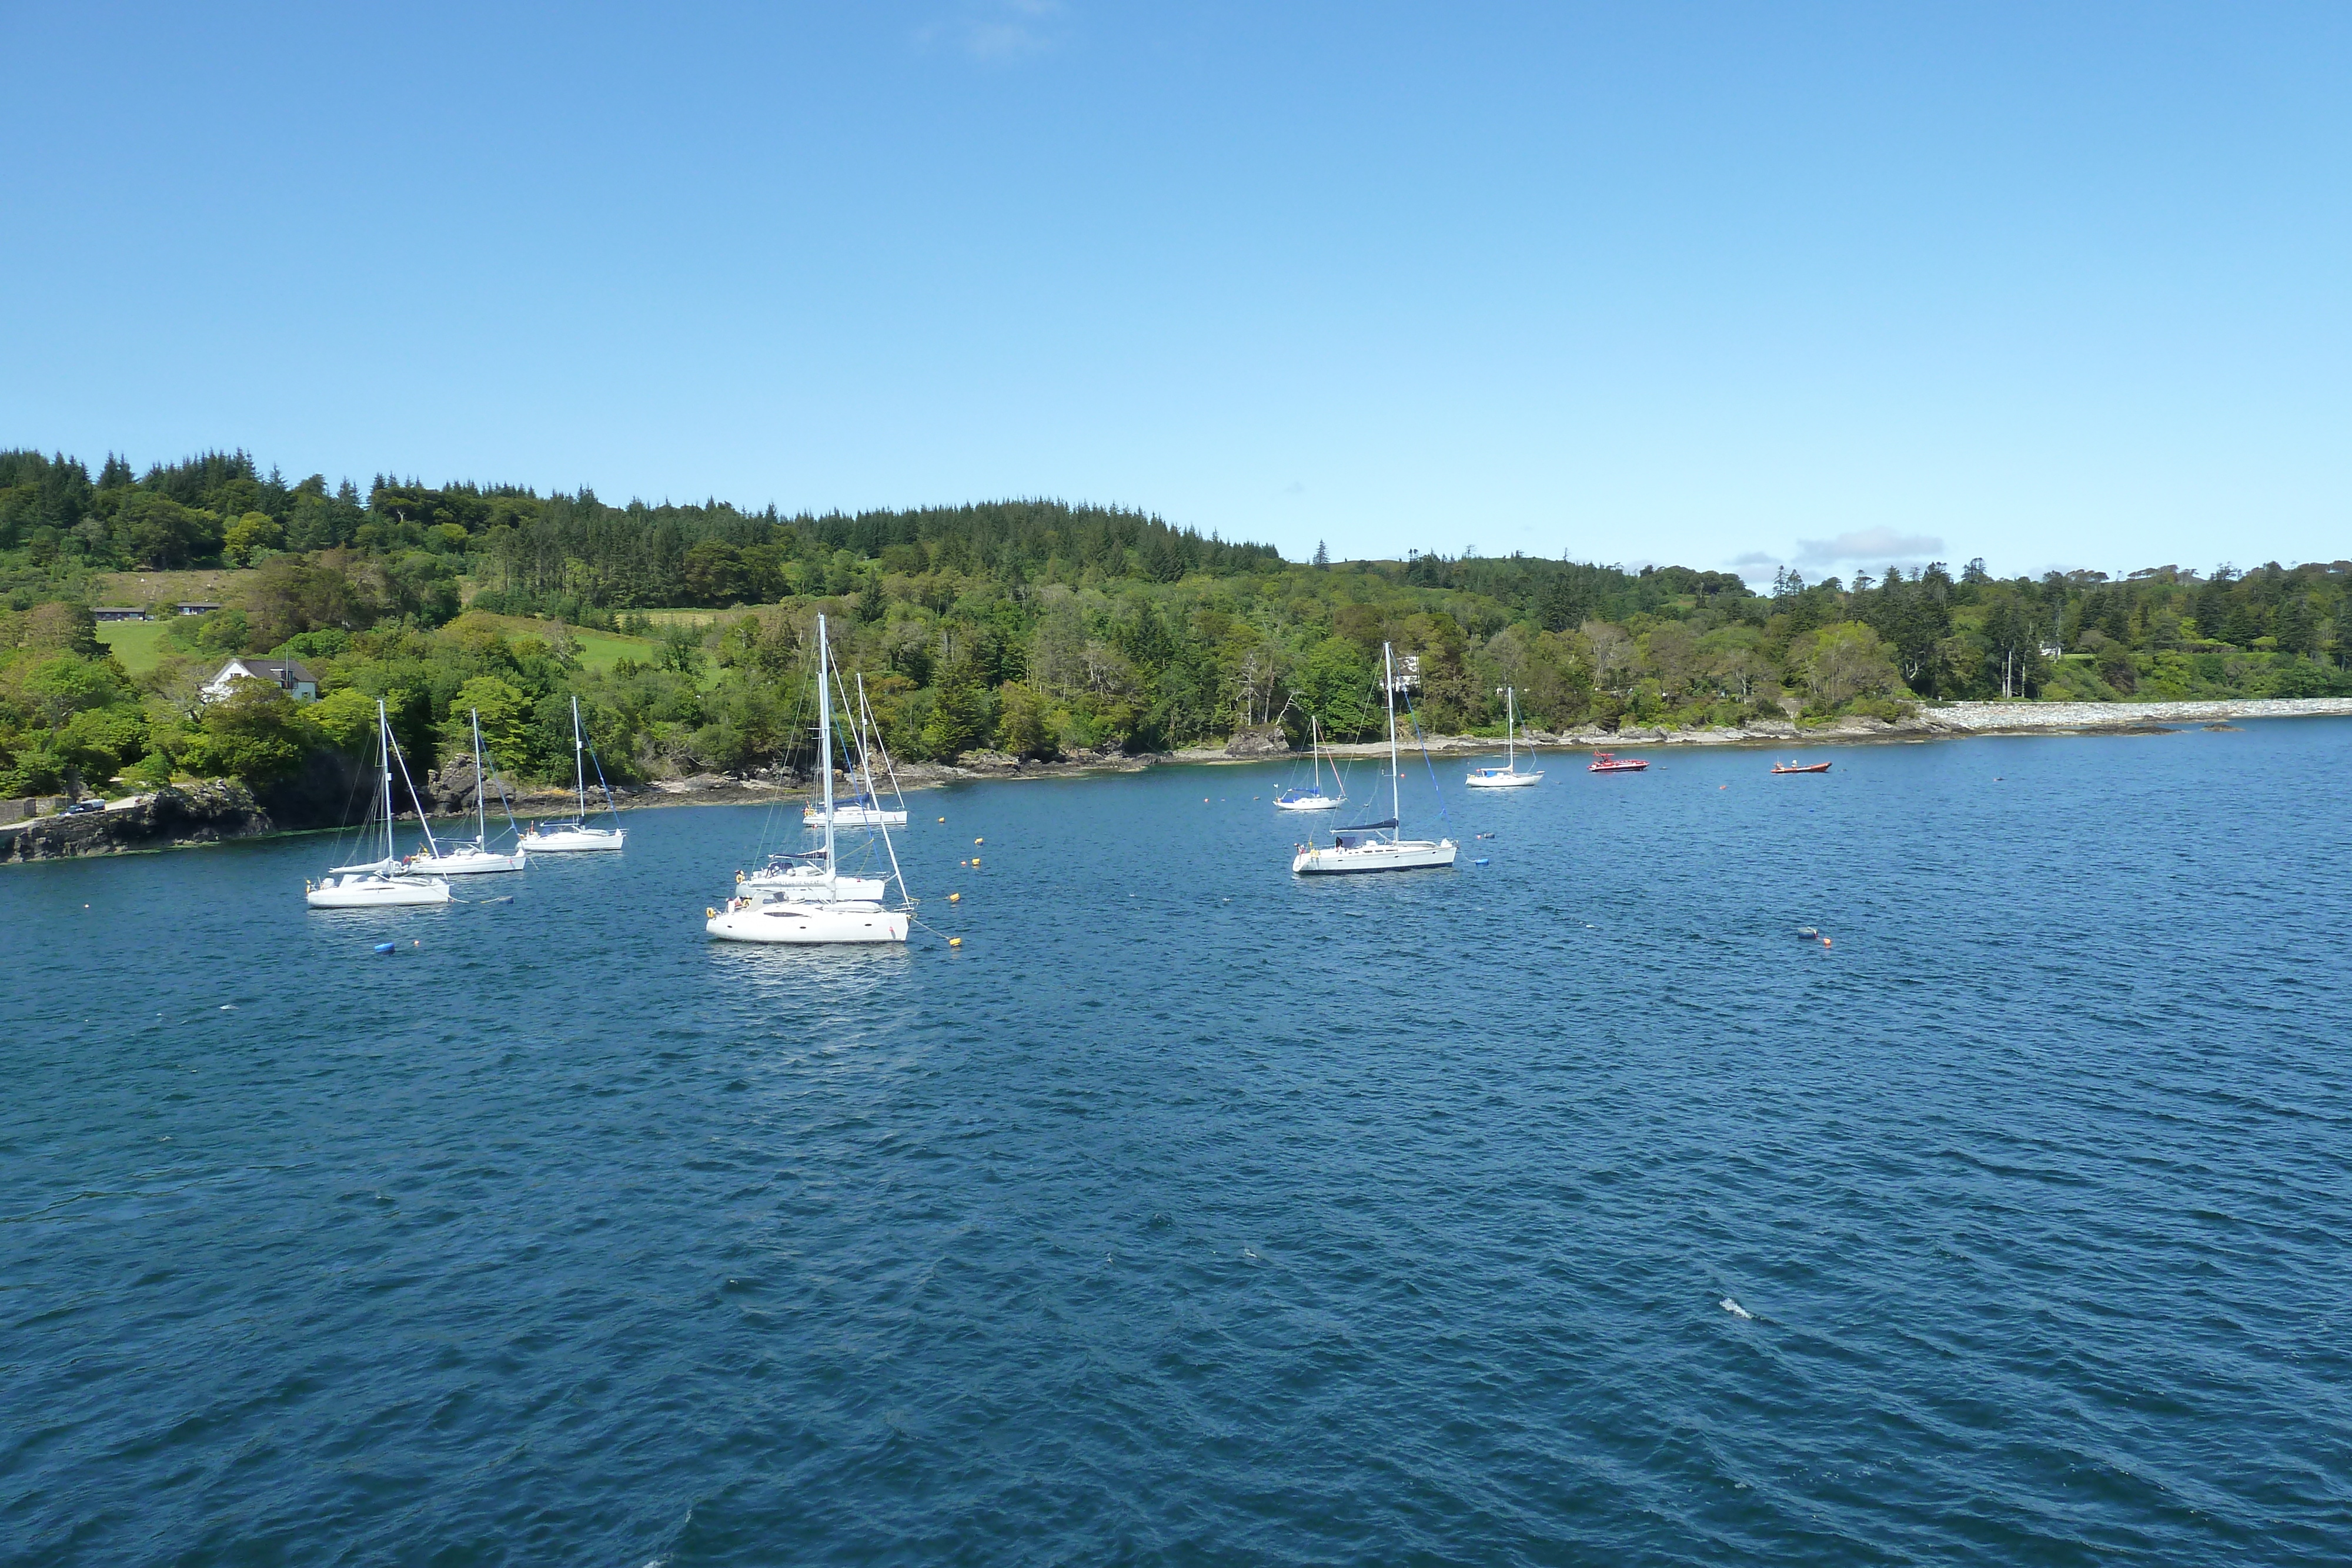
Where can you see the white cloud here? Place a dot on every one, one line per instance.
(1871, 546)
(995, 31)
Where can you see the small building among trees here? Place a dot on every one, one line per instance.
(286, 674)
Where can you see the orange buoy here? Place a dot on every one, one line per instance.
(1825, 941)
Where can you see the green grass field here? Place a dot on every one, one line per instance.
(138, 643)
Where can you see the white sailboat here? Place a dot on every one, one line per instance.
(1312, 798)
(814, 915)
(382, 884)
(1508, 775)
(1375, 846)
(551, 838)
(866, 811)
(463, 857)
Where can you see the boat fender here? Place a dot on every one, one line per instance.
(955, 940)
(738, 876)
(709, 912)
(385, 946)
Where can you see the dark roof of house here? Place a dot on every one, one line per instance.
(274, 669)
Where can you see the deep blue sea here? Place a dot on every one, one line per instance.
(1564, 1209)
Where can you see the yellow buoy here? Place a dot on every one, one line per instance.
(980, 841)
(975, 859)
(955, 898)
(942, 818)
(955, 940)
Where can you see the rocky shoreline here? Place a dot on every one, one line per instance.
(186, 815)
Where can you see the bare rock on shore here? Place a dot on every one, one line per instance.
(171, 818)
(1258, 740)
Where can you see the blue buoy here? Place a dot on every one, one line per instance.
(385, 946)
(1479, 863)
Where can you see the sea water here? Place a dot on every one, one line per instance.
(1566, 1209)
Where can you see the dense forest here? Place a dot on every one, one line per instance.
(1029, 627)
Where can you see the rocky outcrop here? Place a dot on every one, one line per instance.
(169, 819)
(1259, 740)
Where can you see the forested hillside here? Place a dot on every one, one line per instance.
(1032, 627)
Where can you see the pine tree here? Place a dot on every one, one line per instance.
(1322, 556)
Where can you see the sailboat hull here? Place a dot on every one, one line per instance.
(467, 862)
(573, 841)
(378, 893)
(1503, 779)
(1310, 803)
(794, 925)
(818, 889)
(1402, 854)
(854, 817)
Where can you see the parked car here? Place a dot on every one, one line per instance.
(83, 808)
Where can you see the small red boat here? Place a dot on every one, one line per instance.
(1602, 763)
(1801, 768)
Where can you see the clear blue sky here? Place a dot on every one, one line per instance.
(2052, 284)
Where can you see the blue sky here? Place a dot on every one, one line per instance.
(1722, 284)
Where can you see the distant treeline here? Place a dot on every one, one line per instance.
(1034, 627)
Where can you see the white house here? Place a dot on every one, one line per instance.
(286, 674)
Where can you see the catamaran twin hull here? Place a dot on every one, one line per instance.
(809, 924)
(375, 891)
(1404, 854)
(566, 837)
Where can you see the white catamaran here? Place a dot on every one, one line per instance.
(1375, 846)
(464, 857)
(1508, 775)
(550, 838)
(815, 913)
(380, 883)
(1312, 798)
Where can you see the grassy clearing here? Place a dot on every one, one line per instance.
(598, 650)
(211, 585)
(138, 643)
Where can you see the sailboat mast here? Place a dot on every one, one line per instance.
(579, 768)
(481, 810)
(1313, 763)
(1510, 729)
(824, 744)
(383, 748)
(1388, 663)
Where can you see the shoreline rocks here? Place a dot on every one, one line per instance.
(218, 811)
